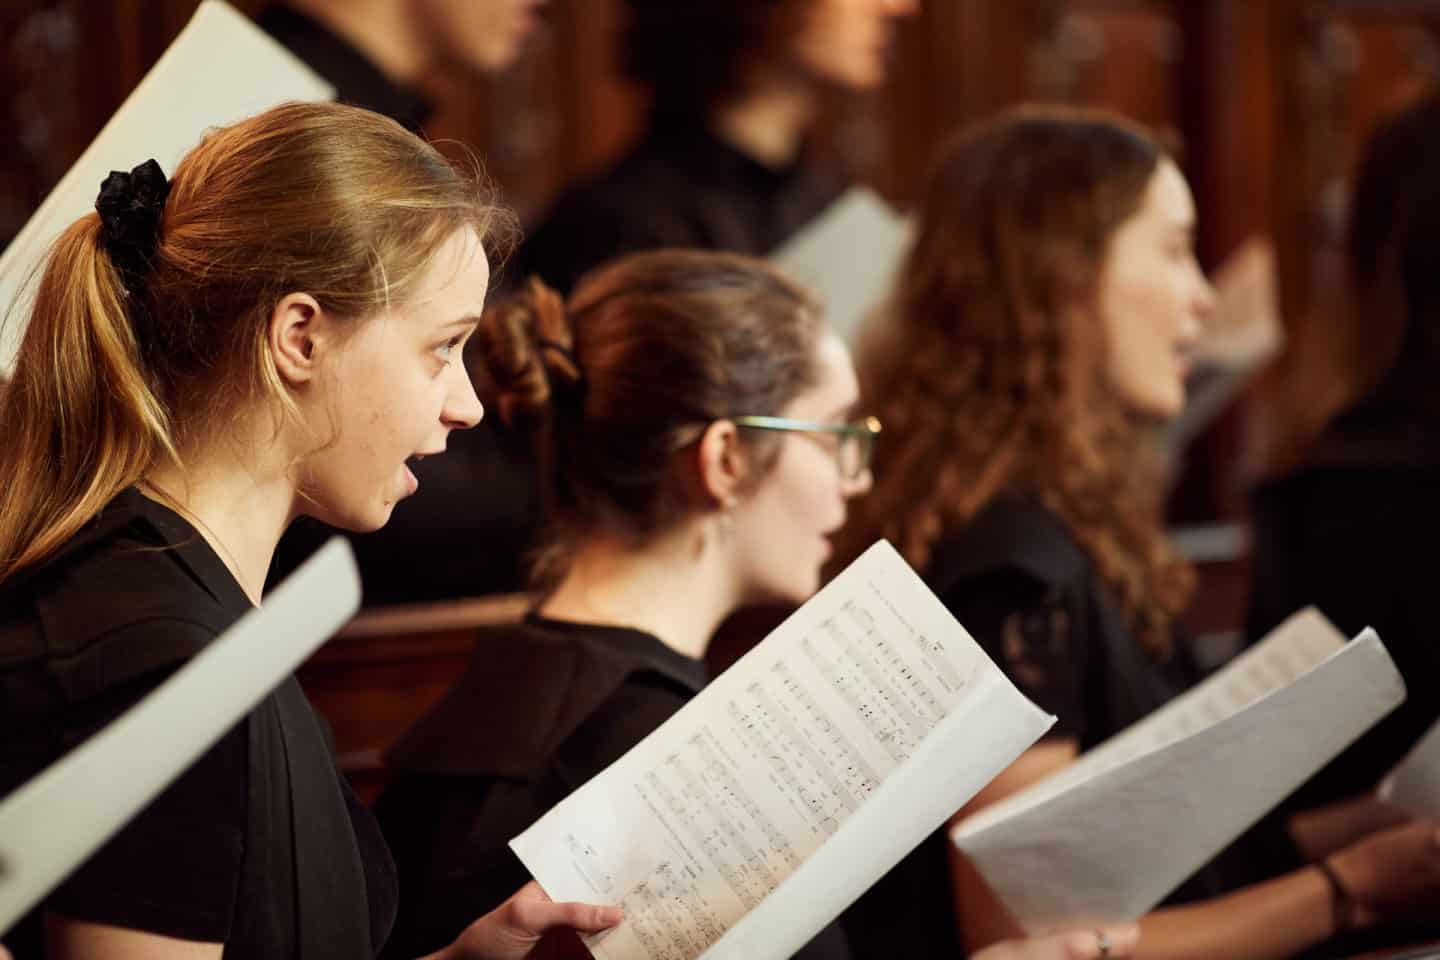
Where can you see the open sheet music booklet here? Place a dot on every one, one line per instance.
(771, 801)
(220, 69)
(1106, 838)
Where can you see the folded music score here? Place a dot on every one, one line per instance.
(1098, 841)
(796, 779)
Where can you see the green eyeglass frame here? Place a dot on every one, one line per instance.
(856, 439)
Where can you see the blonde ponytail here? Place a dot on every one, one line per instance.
(317, 197)
(82, 420)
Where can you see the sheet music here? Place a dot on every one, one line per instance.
(792, 782)
(1098, 841)
(850, 255)
(52, 823)
(1414, 784)
(220, 69)
(1299, 644)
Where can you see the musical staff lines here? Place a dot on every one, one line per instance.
(668, 915)
(715, 815)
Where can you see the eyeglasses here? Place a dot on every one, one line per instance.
(855, 441)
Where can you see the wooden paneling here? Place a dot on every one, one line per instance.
(388, 667)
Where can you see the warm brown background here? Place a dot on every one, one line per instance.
(1270, 99)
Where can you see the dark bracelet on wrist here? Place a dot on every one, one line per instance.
(1342, 904)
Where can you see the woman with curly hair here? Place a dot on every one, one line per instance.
(1040, 327)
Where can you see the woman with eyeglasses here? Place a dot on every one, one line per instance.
(666, 513)
(695, 419)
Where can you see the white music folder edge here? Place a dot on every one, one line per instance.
(220, 69)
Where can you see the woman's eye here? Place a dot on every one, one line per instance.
(448, 347)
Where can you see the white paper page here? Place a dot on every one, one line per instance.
(792, 782)
(52, 823)
(1414, 785)
(849, 255)
(220, 69)
(1110, 846)
(1299, 644)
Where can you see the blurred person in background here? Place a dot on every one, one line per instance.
(379, 53)
(737, 86)
(1349, 517)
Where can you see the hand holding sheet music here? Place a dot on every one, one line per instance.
(773, 799)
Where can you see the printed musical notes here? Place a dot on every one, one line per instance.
(717, 817)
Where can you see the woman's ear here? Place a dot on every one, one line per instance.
(721, 462)
(295, 333)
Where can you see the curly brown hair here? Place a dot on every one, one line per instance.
(991, 378)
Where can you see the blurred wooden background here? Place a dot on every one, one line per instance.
(1270, 99)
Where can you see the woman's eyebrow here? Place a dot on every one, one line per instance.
(468, 320)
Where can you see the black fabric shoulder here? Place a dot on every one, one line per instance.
(253, 845)
(128, 652)
(630, 714)
(127, 596)
(680, 186)
(1014, 535)
(596, 221)
(524, 692)
(174, 869)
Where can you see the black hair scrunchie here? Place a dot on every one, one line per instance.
(130, 206)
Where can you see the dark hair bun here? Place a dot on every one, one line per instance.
(527, 346)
